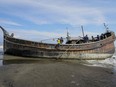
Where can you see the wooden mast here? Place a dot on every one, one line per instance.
(82, 31)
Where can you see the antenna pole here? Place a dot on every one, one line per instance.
(68, 36)
(82, 31)
(67, 32)
(106, 27)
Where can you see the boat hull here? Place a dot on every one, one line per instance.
(84, 51)
(57, 55)
(101, 49)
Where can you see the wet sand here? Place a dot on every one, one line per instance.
(55, 73)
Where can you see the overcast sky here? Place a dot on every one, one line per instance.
(44, 19)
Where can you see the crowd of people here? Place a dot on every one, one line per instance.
(85, 39)
(60, 41)
(99, 37)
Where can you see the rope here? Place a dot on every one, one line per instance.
(66, 51)
(50, 39)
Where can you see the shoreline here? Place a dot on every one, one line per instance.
(55, 74)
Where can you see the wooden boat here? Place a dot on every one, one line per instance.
(74, 49)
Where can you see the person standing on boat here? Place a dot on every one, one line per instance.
(101, 37)
(12, 35)
(58, 42)
(92, 38)
(98, 37)
(86, 39)
(61, 40)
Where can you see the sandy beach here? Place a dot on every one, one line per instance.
(55, 73)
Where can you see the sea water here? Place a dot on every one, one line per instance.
(107, 63)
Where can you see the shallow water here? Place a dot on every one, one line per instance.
(1, 59)
(107, 63)
(1, 62)
(8, 59)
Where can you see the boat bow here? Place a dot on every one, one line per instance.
(4, 31)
